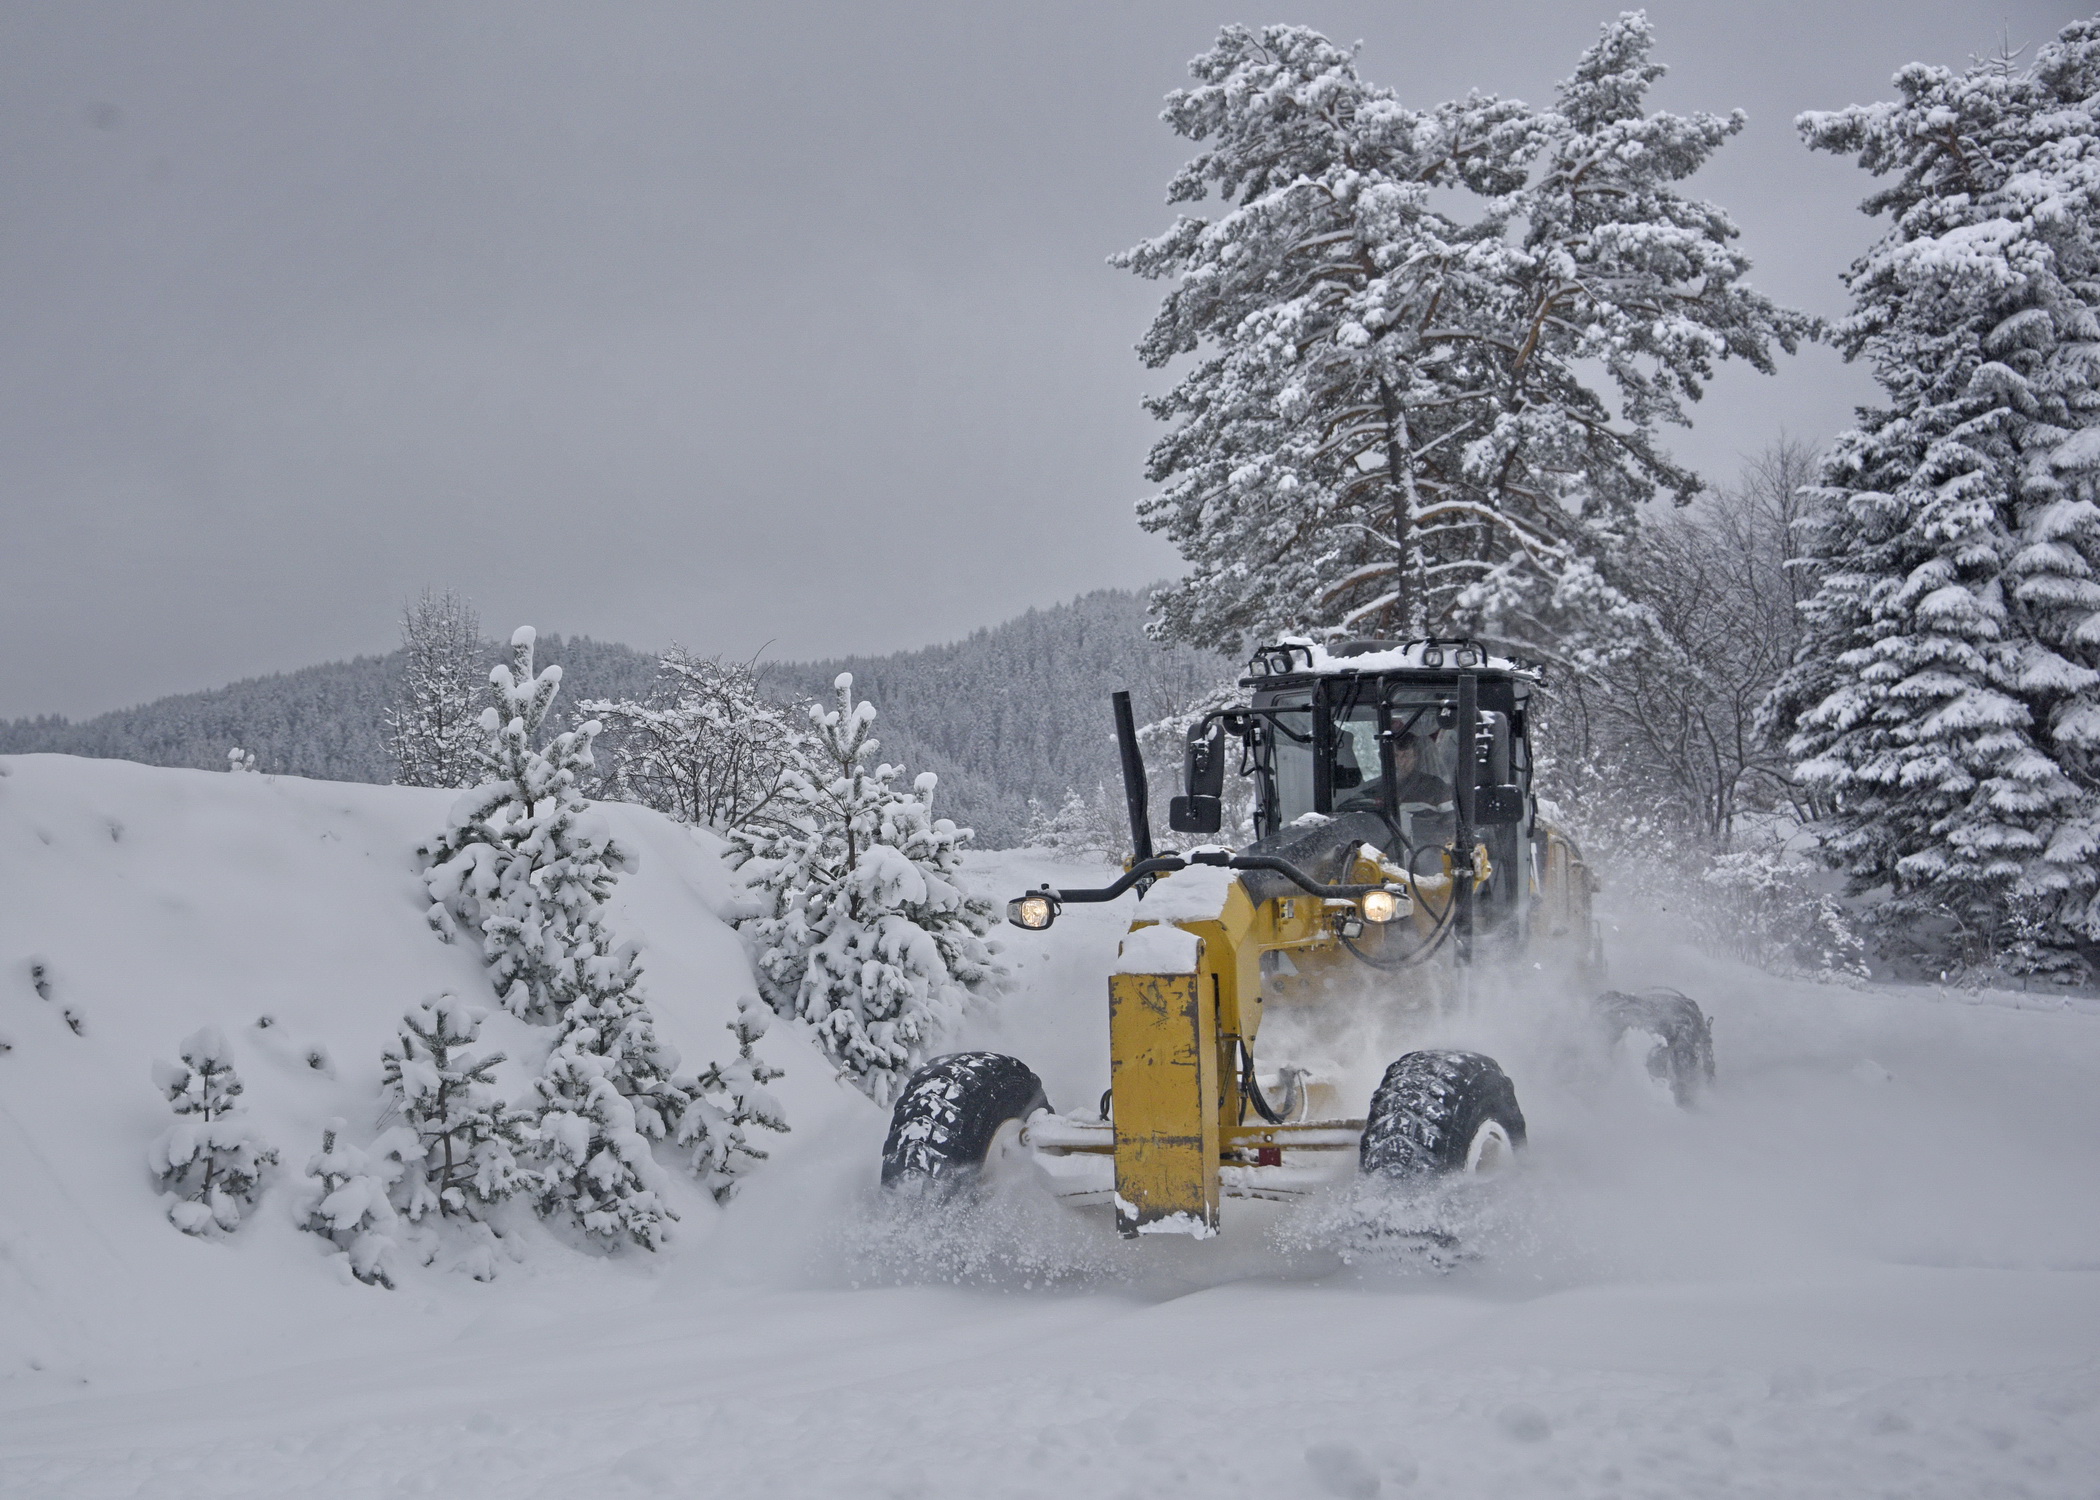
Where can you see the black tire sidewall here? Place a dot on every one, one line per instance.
(1429, 1107)
(947, 1115)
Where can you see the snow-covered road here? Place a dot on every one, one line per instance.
(1869, 1264)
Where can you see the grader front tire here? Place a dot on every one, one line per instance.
(953, 1113)
(1437, 1113)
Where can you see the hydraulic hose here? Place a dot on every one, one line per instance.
(1250, 1090)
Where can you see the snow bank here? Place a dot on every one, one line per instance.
(1869, 1263)
(138, 904)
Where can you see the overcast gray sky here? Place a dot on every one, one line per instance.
(725, 324)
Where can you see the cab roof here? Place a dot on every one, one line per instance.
(1302, 657)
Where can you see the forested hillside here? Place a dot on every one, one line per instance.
(1021, 709)
(327, 721)
(1017, 710)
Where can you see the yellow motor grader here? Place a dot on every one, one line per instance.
(1398, 843)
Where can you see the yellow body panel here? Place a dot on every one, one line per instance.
(1164, 1076)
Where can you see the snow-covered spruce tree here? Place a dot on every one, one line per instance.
(433, 728)
(525, 863)
(1078, 828)
(351, 1206)
(466, 1141)
(725, 1100)
(210, 1161)
(1387, 426)
(708, 748)
(605, 1096)
(864, 929)
(1946, 697)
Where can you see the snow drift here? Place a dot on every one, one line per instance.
(1869, 1262)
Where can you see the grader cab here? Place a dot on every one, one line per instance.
(1398, 844)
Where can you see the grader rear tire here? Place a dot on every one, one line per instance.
(953, 1114)
(1682, 1054)
(1437, 1113)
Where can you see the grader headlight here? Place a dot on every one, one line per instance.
(1034, 911)
(1384, 906)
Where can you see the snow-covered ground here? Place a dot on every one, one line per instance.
(1869, 1264)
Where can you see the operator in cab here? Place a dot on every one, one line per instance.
(1359, 786)
(1414, 781)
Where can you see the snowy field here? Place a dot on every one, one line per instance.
(1868, 1265)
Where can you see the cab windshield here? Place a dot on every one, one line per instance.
(1425, 752)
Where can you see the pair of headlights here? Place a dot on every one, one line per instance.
(1038, 909)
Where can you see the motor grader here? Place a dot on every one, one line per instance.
(1399, 845)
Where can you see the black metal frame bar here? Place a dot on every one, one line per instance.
(1167, 864)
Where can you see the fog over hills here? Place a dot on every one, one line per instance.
(1014, 711)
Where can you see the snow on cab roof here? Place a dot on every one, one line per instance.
(1295, 654)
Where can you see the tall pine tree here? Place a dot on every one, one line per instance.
(1947, 697)
(1389, 425)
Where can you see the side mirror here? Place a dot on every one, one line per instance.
(1201, 809)
(1196, 814)
(1498, 806)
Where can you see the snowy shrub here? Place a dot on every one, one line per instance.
(1766, 903)
(528, 864)
(1771, 913)
(209, 1160)
(464, 1142)
(239, 760)
(708, 748)
(863, 928)
(525, 863)
(351, 1206)
(726, 1099)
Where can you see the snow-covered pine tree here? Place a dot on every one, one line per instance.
(726, 1099)
(708, 748)
(210, 1161)
(529, 865)
(606, 1094)
(525, 862)
(467, 1141)
(351, 1206)
(1946, 696)
(609, 1090)
(1077, 830)
(864, 929)
(1388, 426)
(433, 728)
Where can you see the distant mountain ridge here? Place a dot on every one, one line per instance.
(327, 721)
(1020, 709)
(1014, 711)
